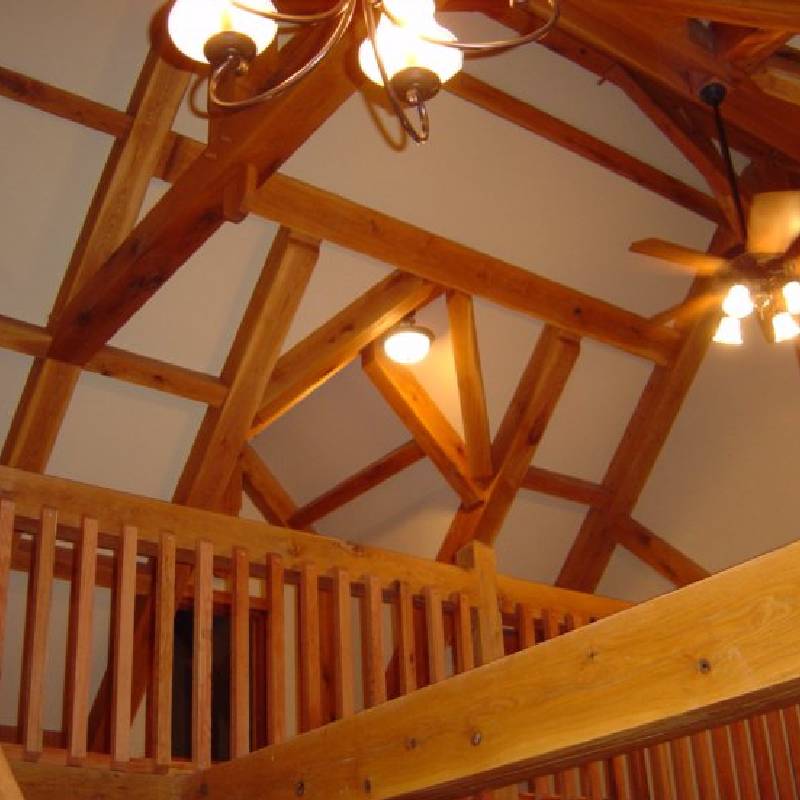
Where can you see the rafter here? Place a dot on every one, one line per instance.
(515, 443)
(333, 345)
(645, 675)
(780, 77)
(265, 491)
(111, 216)
(327, 216)
(434, 434)
(566, 487)
(747, 48)
(248, 368)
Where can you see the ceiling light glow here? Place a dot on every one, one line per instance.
(738, 302)
(729, 331)
(791, 294)
(784, 327)
(408, 343)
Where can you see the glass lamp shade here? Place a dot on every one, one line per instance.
(784, 327)
(191, 23)
(738, 302)
(408, 344)
(729, 331)
(400, 49)
(791, 294)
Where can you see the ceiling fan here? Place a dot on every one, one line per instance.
(765, 278)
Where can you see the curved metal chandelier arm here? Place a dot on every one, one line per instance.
(234, 64)
(488, 48)
(421, 135)
(295, 19)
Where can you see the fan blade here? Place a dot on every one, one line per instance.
(774, 222)
(690, 260)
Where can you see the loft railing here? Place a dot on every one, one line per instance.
(171, 636)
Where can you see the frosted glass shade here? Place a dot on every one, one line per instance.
(791, 294)
(729, 331)
(784, 327)
(738, 302)
(401, 48)
(191, 23)
(408, 344)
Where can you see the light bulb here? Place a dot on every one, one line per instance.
(401, 49)
(408, 343)
(191, 23)
(784, 327)
(729, 331)
(738, 302)
(791, 294)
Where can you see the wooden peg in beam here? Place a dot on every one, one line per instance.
(239, 191)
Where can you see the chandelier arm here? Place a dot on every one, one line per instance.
(488, 48)
(421, 135)
(234, 62)
(299, 19)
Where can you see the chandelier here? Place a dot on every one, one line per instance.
(406, 51)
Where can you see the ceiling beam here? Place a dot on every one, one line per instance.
(327, 216)
(260, 139)
(780, 77)
(702, 656)
(247, 369)
(582, 144)
(747, 48)
(112, 214)
(665, 559)
(567, 487)
(776, 14)
(266, 491)
(350, 488)
(417, 411)
(515, 443)
(332, 346)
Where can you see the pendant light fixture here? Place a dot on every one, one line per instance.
(407, 51)
(408, 343)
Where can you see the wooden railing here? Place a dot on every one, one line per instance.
(287, 631)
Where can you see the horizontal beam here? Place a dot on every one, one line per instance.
(705, 655)
(567, 487)
(34, 340)
(327, 216)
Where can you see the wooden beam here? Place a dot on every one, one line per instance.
(265, 491)
(776, 14)
(582, 144)
(333, 345)
(247, 369)
(9, 788)
(34, 340)
(260, 138)
(780, 77)
(474, 415)
(747, 48)
(520, 432)
(567, 487)
(111, 216)
(433, 433)
(327, 216)
(356, 485)
(662, 669)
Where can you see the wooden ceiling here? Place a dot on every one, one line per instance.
(658, 53)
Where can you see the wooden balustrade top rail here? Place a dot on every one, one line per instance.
(31, 492)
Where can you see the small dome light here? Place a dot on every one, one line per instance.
(729, 331)
(408, 343)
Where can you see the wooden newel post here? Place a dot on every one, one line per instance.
(480, 558)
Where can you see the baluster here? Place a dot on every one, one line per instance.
(6, 539)
(163, 651)
(79, 644)
(619, 777)
(703, 765)
(371, 643)
(434, 625)
(745, 774)
(276, 669)
(638, 775)
(780, 757)
(122, 675)
(660, 767)
(40, 590)
(792, 721)
(343, 679)
(685, 788)
(465, 651)
(404, 635)
(202, 654)
(723, 759)
(310, 661)
(240, 653)
(758, 738)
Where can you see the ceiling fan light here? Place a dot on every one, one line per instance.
(191, 23)
(791, 294)
(738, 302)
(729, 331)
(785, 327)
(400, 49)
(408, 343)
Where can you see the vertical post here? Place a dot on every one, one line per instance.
(163, 651)
(310, 654)
(480, 558)
(79, 647)
(434, 624)
(404, 644)
(343, 646)
(6, 538)
(201, 657)
(240, 654)
(465, 651)
(276, 670)
(40, 590)
(122, 678)
(372, 644)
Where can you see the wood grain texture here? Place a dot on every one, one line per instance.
(276, 670)
(163, 651)
(374, 676)
(405, 646)
(202, 654)
(343, 673)
(240, 654)
(309, 650)
(780, 14)
(434, 626)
